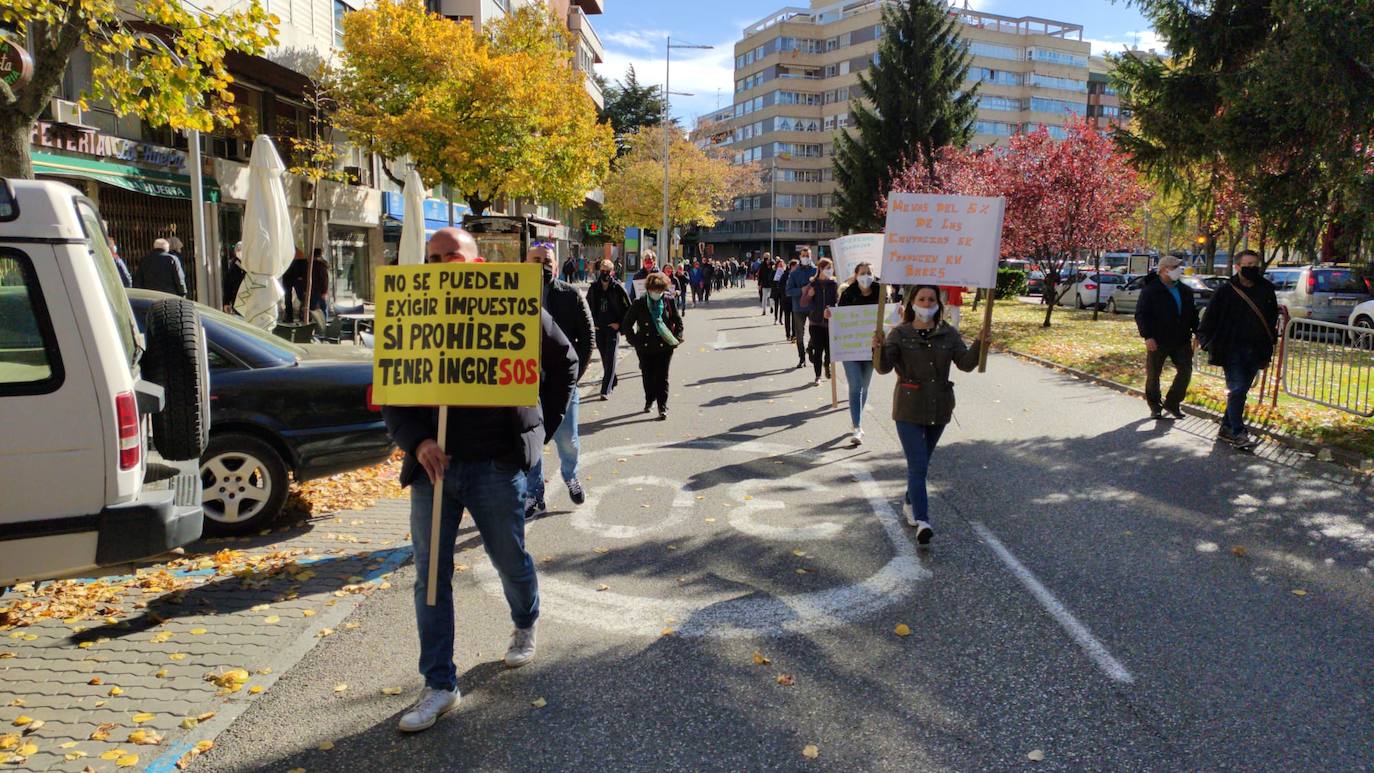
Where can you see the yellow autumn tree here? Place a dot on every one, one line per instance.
(498, 113)
(701, 183)
(130, 71)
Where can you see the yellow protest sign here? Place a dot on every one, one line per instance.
(457, 334)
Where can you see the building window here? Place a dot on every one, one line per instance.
(1057, 106)
(993, 51)
(994, 127)
(1057, 57)
(1064, 84)
(990, 102)
(341, 9)
(998, 77)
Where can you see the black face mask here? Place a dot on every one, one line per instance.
(548, 274)
(605, 276)
(1250, 273)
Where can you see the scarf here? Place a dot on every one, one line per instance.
(656, 315)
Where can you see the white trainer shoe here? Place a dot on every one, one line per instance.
(858, 438)
(923, 533)
(427, 709)
(521, 650)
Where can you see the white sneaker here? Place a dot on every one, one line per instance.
(427, 709)
(521, 650)
(909, 515)
(923, 533)
(858, 438)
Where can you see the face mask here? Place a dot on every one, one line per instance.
(806, 261)
(1250, 273)
(548, 274)
(1175, 273)
(825, 273)
(605, 276)
(656, 295)
(865, 281)
(925, 314)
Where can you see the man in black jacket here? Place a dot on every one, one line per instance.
(573, 316)
(609, 302)
(161, 270)
(1238, 332)
(1167, 319)
(483, 465)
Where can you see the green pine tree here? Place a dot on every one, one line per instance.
(915, 101)
(630, 106)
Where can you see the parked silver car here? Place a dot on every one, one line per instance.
(1124, 300)
(1326, 294)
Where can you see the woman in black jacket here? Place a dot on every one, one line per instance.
(1238, 332)
(654, 327)
(825, 293)
(764, 279)
(609, 303)
(786, 303)
(777, 287)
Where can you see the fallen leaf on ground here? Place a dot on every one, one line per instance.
(786, 680)
(21, 720)
(189, 723)
(325, 746)
(112, 754)
(143, 716)
(34, 726)
(67, 745)
(811, 751)
(391, 691)
(85, 645)
(73, 756)
(161, 674)
(666, 632)
(296, 770)
(255, 689)
(145, 738)
(9, 741)
(94, 680)
(204, 746)
(601, 550)
(602, 587)
(127, 761)
(902, 629)
(102, 733)
(1239, 551)
(760, 660)
(799, 553)
(307, 613)
(272, 619)
(1035, 755)
(197, 631)
(178, 656)
(352, 626)
(340, 687)
(539, 703)
(1299, 592)
(230, 680)
(116, 691)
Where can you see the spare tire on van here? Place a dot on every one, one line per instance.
(176, 360)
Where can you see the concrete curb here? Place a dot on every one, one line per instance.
(1347, 459)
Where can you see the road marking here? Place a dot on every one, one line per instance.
(584, 517)
(1076, 630)
(746, 611)
(742, 517)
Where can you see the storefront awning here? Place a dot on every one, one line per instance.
(154, 183)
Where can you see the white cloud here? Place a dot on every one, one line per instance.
(704, 73)
(1141, 40)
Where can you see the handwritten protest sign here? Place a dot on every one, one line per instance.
(944, 240)
(457, 334)
(849, 251)
(851, 332)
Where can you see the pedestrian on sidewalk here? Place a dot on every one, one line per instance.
(921, 349)
(1237, 331)
(777, 289)
(786, 301)
(573, 316)
(654, 328)
(678, 290)
(609, 303)
(861, 290)
(160, 270)
(763, 277)
(483, 466)
(953, 300)
(821, 295)
(710, 274)
(648, 265)
(799, 278)
(1166, 317)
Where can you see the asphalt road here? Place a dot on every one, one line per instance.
(1103, 591)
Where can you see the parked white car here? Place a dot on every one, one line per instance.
(1362, 317)
(1091, 289)
(85, 400)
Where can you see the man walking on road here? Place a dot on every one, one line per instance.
(796, 281)
(1238, 333)
(609, 302)
(487, 454)
(160, 270)
(1167, 319)
(573, 316)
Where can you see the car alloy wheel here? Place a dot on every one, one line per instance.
(1363, 336)
(244, 482)
(1111, 306)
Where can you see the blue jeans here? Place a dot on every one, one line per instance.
(858, 375)
(567, 443)
(918, 443)
(495, 495)
(1242, 365)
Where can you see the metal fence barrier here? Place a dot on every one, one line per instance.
(1329, 364)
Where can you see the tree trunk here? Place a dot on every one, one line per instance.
(15, 131)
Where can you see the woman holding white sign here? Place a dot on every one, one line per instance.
(862, 289)
(921, 350)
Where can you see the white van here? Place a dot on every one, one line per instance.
(84, 399)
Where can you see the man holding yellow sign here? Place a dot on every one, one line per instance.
(464, 359)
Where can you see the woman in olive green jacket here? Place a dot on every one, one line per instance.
(921, 350)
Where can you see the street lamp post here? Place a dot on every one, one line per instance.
(206, 286)
(667, 138)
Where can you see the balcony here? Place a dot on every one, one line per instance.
(591, 6)
(594, 90)
(578, 24)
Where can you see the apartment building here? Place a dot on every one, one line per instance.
(797, 70)
(140, 175)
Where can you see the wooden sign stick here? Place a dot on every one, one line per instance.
(431, 591)
(987, 331)
(882, 306)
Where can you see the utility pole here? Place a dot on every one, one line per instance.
(664, 238)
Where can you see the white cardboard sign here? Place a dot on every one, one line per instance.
(849, 251)
(851, 332)
(942, 240)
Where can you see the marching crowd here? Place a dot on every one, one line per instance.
(492, 462)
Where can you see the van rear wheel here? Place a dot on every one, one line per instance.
(176, 360)
(245, 484)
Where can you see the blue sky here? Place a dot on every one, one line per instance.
(633, 32)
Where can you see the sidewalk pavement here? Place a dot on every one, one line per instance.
(134, 671)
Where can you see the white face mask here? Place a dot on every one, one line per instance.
(656, 295)
(925, 314)
(806, 261)
(865, 281)
(825, 273)
(1175, 273)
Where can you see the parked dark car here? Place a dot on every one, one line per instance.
(1035, 283)
(277, 408)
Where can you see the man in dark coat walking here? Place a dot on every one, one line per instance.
(161, 270)
(1167, 319)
